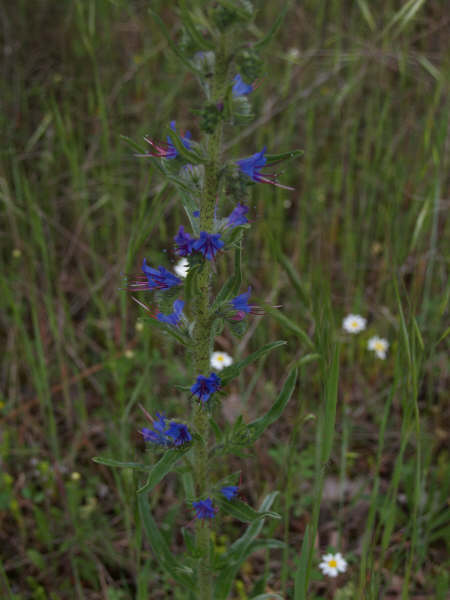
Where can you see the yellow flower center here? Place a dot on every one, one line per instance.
(332, 563)
(220, 358)
(355, 324)
(379, 346)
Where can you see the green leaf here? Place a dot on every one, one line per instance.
(162, 467)
(233, 371)
(300, 574)
(331, 397)
(262, 43)
(304, 360)
(110, 462)
(161, 550)
(239, 551)
(231, 287)
(192, 29)
(272, 158)
(256, 428)
(288, 324)
(269, 596)
(133, 144)
(242, 511)
(171, 43)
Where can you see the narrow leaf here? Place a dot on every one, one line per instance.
(162, 467)
(160, 547)
(256, 428)
(190, 155)
(262, 43)
(300, 574)
(192, 29)
(110, 462)
(172, 44)
(273, 158)
(288, 324)
(231, 372)
(242, 511)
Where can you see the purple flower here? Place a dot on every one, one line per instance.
(196, 213)
(237, 217)
(204, 509)
(208, 244)
(240, 303)
(176, 434)
(162, 150)
(174, 317)
(185, 140)
(252, 166)
(204, 387)
(157, 279)
(240, 88)
(229, 491)
(184, 242)
(156, 436)
(179, 433)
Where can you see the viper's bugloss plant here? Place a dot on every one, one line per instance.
(213, 189)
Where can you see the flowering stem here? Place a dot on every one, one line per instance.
(202, 345)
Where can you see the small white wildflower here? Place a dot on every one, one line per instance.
(139, 326)
(220, 360)
(293, 53)
(332, 564)
(129, 353)
(379, 346)
(354, 323)
(75, 476)
(182, 267)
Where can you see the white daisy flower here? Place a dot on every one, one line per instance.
(182, 267)
(379, 346)
(220, 360)
(333, 564)
(354, 323)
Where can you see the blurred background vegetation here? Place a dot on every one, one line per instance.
(361, 87)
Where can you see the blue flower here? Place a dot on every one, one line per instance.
(237, 217)
(174, 434)
(184, 242)
(186, 141)
(179, 433)
(240, 303)
(208, 244)
(252, 166)
(204, 509)
(204, 387)
(240, 88)
(174, 317)
(196, 213)
(159, 279)
(229, 491)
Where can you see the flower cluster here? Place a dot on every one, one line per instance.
(163, 434)
(208, 244)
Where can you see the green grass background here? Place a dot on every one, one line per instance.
(362, 88)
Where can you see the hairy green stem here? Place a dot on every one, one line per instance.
(202, 334)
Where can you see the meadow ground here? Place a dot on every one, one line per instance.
(361, 88)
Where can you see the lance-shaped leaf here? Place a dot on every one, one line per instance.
(231, 372)
(231, 287)
(273, 158)
(238, 552)
(133, 144)
(162, 467)
(273, 30)
(242, 511)
(192, 29)
(161, 550)
(110, 462)
(269, 596)
(256, 428)
(172, 44)
(288, 324)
